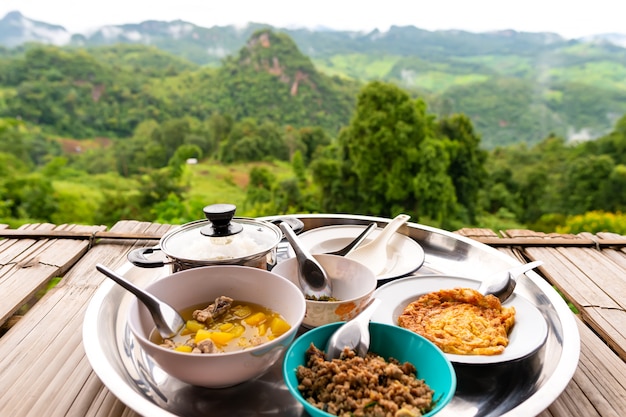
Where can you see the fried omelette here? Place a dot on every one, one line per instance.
(460, 321)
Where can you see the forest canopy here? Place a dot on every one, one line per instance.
(88, 139)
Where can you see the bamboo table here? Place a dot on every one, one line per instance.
(44, 370)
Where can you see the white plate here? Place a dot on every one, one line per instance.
(404, 254)
(527, 335)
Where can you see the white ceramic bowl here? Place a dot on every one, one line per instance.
(353, 285)
(202, 285)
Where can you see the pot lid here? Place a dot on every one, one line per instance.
(221, 237)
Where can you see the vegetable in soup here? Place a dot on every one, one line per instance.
(225, 325)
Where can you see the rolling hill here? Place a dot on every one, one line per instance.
(516, 87)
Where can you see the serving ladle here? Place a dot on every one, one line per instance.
(501, 284)
(167, 320)
(311, 275)
(353, 334)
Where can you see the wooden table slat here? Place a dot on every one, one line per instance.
(25, 369)
(30, 266)
(594, 285)
(610, 326)
(601, 375)
(41, 353)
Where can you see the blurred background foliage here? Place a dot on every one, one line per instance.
(125, 132)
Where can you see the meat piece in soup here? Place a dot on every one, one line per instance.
(225, 325)
(220, 306)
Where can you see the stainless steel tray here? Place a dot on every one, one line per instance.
(521, 388)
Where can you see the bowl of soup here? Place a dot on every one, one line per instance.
(353, 285)
(238, 322)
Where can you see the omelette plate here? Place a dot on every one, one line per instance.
(528, 334)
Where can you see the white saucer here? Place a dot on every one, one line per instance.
(528, 334)
(404, 254)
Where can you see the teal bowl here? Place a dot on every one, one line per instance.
(387, 341)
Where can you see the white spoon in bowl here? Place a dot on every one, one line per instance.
(373, 254)
(353, 334)
(312, 277)
(501, 284)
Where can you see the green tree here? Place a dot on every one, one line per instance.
(73, 207)
(259, 190)
(171, 135)
(467, 164)
(313, 138)
(379, 152)
(433, 188)
(11, 166)
(297, 164)
(156, 186)
(530, 195)
(29, 196)
(500, 190)
(115, 205)
(219, 127)
(286, 197)
(586, 178)
(613, 191)
(172, 210)
(613, 144)
(184, 152)
(250, 141)
(336, 182)
(25, 142)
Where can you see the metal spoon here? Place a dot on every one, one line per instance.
(313, 279)
(167, 320)
(356, 242)
(353, 334)
(501, 284)
(374, 253)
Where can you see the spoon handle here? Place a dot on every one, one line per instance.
(393, 226)
(300, 251)
(143, 296)
(389, 230)
(356, 242)
(311, 275)
(364, 323)
(353, 334)
(519, 270)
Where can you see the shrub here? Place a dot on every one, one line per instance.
(594, 222)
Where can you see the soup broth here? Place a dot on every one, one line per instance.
(242, 326)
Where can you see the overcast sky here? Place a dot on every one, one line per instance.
(569, 18)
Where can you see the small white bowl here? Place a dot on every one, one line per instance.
(353, 285)
(202, 285)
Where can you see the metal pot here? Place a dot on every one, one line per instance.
(221, 239)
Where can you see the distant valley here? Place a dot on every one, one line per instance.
(516, 87)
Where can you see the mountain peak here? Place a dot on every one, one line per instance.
(13, 16)
(276, 54)
(16, 29)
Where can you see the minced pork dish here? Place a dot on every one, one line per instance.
(357, 386)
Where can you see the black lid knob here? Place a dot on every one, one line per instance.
(220, 216)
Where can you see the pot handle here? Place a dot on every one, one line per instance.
(137, 257)
(296, 224)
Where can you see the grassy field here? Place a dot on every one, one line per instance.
(79, 197)
(211, 182)
(357, 66)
